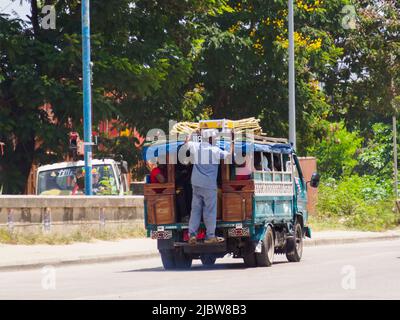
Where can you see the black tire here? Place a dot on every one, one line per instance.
(208, 260)
(294, 245)
(168, 259)
(266, 257)
(249, 258)
(182, 260)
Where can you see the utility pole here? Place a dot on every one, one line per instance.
(395, 155)
(292, 103)
(394, 119)
(87, 96)
(393, 95)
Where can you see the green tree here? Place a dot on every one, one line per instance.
(337, 151)
(376, 158)
(242, 64)
(364, 85)
(141, 53)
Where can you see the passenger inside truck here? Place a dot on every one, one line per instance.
(158, 172)
(79, 186)
(183, 174)
(262, 161)
(184, 193)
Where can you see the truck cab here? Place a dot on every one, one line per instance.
(260, 213)
(66, 178)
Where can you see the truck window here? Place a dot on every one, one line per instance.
(262, 161)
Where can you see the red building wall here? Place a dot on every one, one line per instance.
(309, 166)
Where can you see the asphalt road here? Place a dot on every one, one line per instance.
(351, 271)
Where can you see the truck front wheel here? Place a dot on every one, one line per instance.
(294, 245)
(266, 257)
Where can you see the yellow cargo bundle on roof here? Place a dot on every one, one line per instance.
(238, 126)
(216, 124)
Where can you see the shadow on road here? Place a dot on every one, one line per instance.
(217, 266)
(280, 262)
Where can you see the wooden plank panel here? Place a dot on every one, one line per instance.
(224, 172)
(237, 206)
(171, 173)
(238, 186)
(161, 209)
(159, 188)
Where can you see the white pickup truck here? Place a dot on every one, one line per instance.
(66, 178)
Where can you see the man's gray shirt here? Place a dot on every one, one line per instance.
(205, 165)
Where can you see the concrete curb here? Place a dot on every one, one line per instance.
(152, 254)
(81, 260)
(333, 241)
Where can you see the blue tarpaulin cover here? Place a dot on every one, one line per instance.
(161, 149)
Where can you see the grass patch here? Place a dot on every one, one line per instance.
(327, 224)
(81, 235)
(355, 203)
(379, 216)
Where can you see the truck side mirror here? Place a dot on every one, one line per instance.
(314, 182)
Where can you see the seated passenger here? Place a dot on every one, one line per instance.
(79, 186)
(261, 162)
(183, 191)
(265, 163)
(157, 173)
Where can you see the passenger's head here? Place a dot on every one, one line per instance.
(96, 176)
(79, 172)
(150, 165)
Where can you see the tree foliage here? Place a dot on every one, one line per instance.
(155, 61)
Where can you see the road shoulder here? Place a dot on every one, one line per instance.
(20, 257)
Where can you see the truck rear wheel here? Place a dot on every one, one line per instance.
(250, 260)
(294, 245)
(182, 260)
(168, 259)
(266, 257)
(207, 260)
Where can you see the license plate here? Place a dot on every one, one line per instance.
(161, 235)
(239, 232)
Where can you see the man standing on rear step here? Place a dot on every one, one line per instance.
(207, 157)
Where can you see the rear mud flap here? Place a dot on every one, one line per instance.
(165, 244)
(307, 232)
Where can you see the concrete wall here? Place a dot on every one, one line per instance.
(64, 214)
